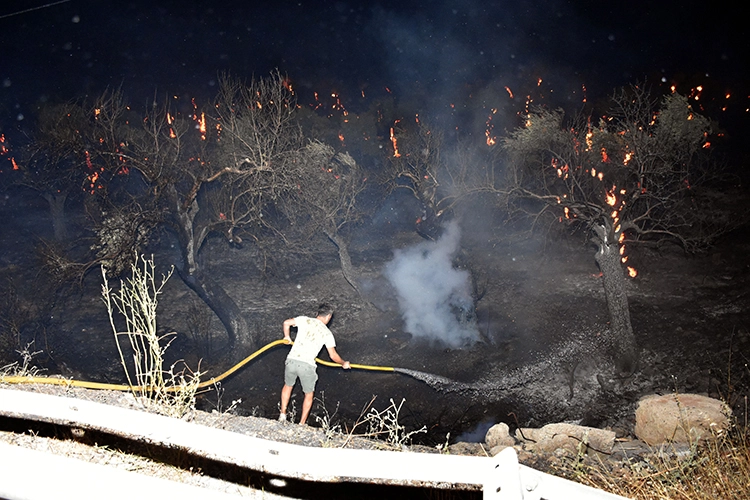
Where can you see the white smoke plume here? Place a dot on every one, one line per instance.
(434, 297)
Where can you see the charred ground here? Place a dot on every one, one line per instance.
(541, 312)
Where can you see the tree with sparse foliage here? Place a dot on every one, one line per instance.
(217, 171)
(325, 199)
(439, 176)
(640, 175)
(61, 161)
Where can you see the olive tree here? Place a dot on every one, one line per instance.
(325, 200)
(218, 171)
(639, 175)
(62, 161)
(439, 175)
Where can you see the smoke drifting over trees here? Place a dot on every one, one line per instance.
(434, 297)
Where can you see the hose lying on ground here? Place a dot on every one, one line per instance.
(122, 387)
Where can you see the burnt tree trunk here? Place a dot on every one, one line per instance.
(346, 261)
(622, 339)
(212, 293)
(225, 308)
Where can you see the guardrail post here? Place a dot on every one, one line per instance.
(504, 481)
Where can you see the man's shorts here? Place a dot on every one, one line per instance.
(294, 368)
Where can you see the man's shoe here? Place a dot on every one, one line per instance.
(282, 417)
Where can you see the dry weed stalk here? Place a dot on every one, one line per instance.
(171, 391)
(718, 468)
(24, 368)
(385, 424)
(330, 430)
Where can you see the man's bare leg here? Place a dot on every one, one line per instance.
(306, 406)
(286, 395)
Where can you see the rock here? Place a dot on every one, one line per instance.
(569, 437)
(471, 449)
(519, 450)
(499, 435)
(680, 418)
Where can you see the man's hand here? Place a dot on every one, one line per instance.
(287, 340)
(346, 365)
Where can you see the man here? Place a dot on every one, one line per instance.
(312, 335)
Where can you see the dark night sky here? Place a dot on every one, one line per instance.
(445, 49)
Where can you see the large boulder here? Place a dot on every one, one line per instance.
(570, 437)
(680, 418)
(499, 435)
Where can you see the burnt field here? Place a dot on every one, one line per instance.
(534, 356)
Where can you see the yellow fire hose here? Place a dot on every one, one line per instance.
(207, 383)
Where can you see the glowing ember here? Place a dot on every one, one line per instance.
(611, 197)
(287, 85)
(632, 272)
(605, 157)
(202, 125)
(394, 142)
(491, 139)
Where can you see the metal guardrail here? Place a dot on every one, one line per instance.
(25, 474)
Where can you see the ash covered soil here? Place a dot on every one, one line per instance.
(541, 318)
(538, 360)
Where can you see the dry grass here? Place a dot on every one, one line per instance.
(171, 392)
(718, 469)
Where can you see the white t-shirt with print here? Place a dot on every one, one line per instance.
(312, 335)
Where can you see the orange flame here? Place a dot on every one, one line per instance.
(632, 272)
(611, 198)
(202, 125)
(589, 140)
(605, 156)
(491, 140)
(394, 142)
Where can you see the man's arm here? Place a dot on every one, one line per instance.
(288, 324)
(337, 359)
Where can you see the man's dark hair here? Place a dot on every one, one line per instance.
(325, 309)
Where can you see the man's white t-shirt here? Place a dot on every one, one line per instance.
(312, 335)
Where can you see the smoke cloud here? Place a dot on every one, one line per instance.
(434, 297)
